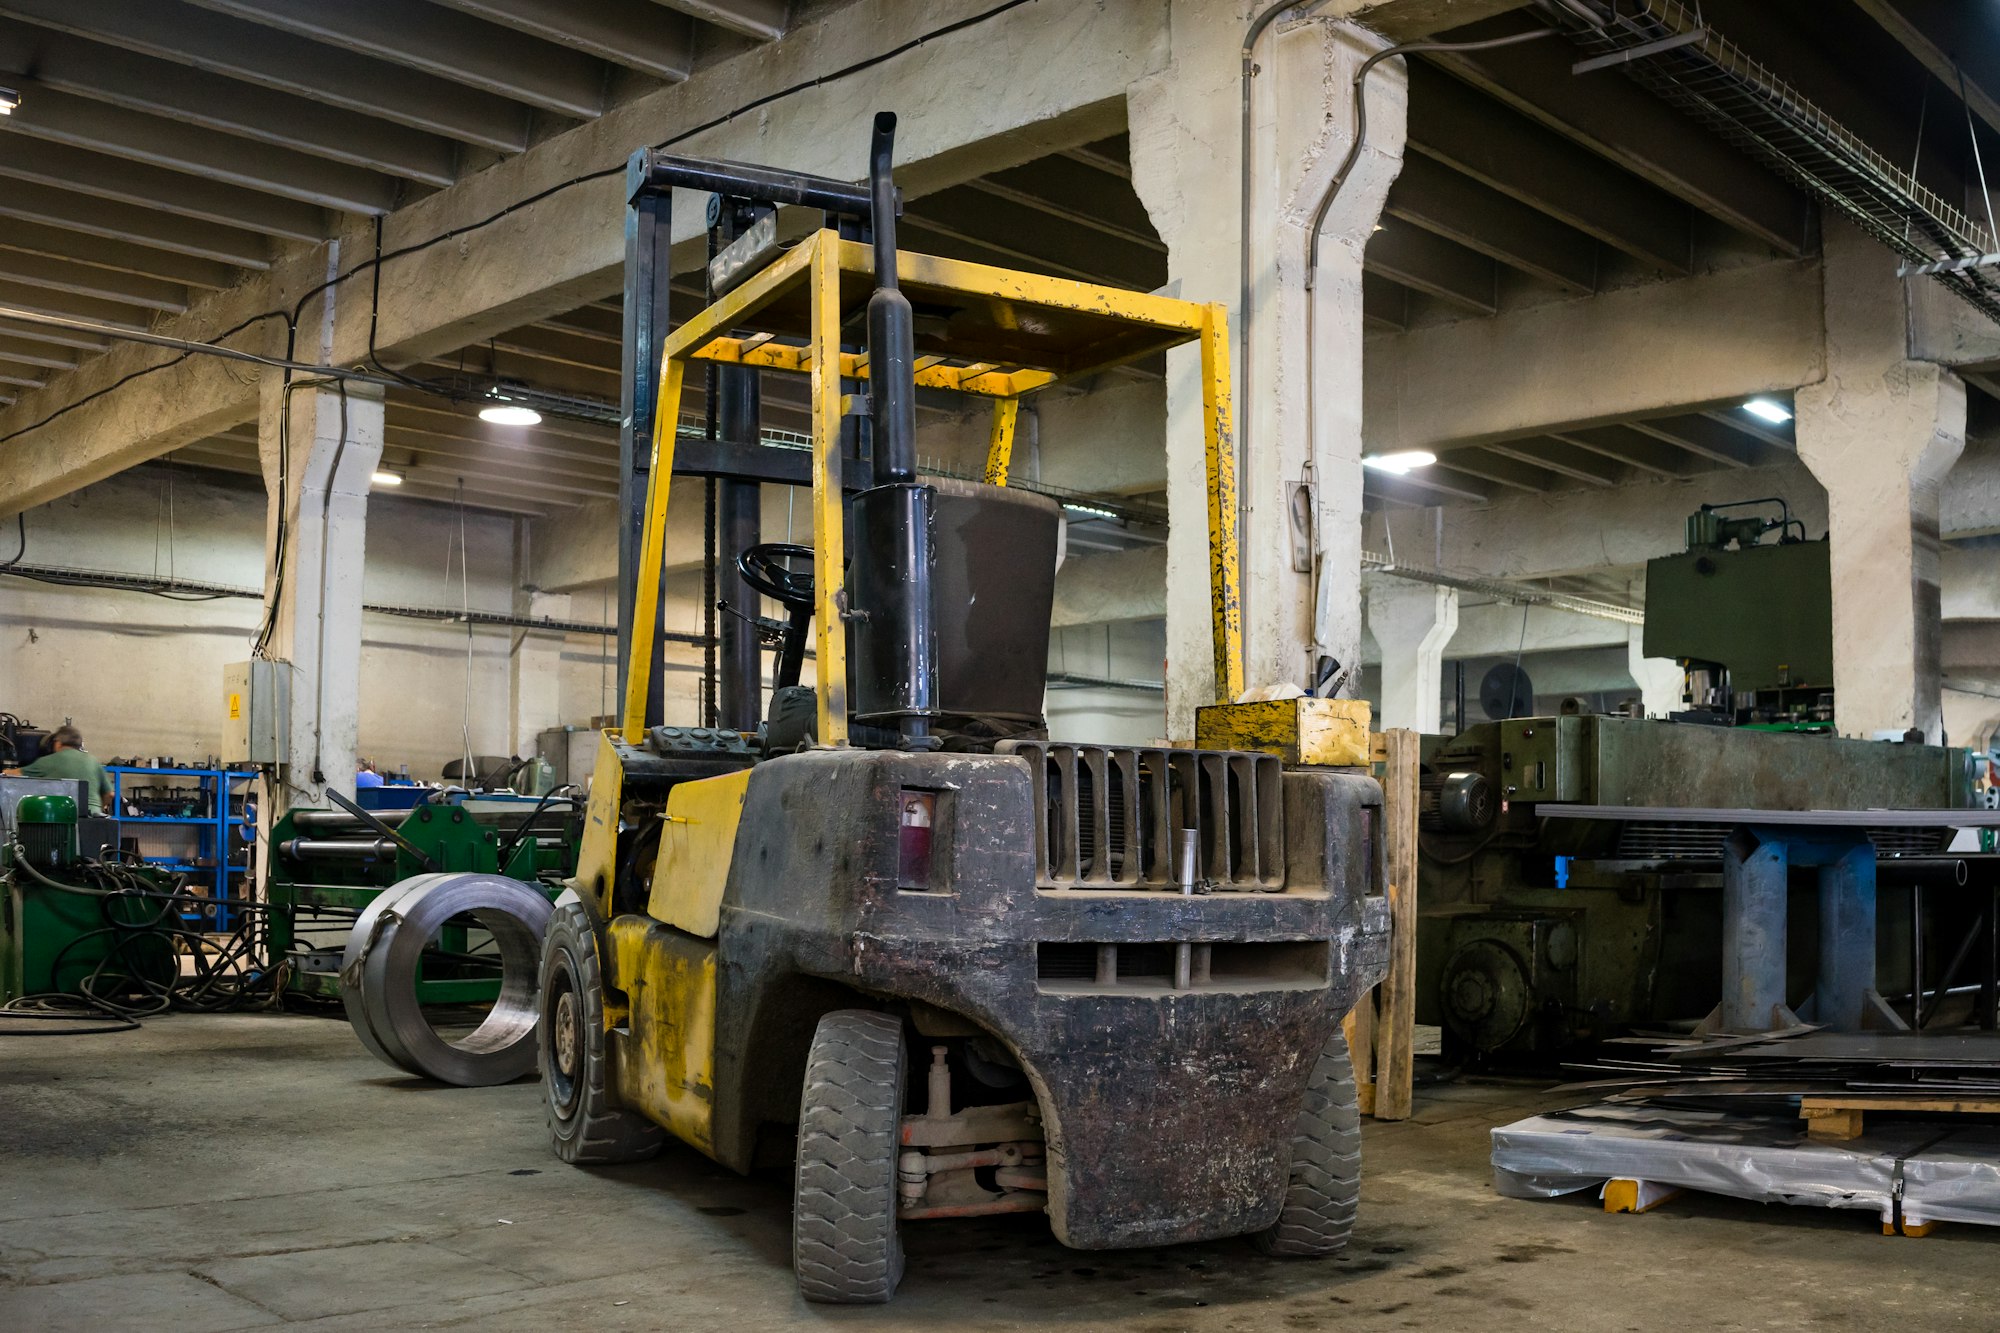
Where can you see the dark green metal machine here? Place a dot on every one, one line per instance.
(1750, 621)
(52, 940)
(327, 865)
(1536, 933)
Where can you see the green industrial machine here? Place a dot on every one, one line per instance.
(328, 865)
(1538, 933)
(1750, 621)
(52, 940)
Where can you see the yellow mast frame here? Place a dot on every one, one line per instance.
(1016, 333)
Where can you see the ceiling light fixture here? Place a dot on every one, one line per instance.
(9, 99)
(1402, 462)
(1768, 409)
(383, 477)
(1092, 510)
(508, 414)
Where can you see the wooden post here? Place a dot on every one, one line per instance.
(1395, 999)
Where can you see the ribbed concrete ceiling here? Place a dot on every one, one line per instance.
(166, 147)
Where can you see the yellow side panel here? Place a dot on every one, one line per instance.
(695, 848)
(1333, 732)
(597, 858)
(665, 1053)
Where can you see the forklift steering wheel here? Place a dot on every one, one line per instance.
(767, 570)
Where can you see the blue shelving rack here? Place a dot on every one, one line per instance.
(221, 853)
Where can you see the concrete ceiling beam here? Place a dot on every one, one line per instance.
(1078, 192)
(1426, 262)
(1612, 116)
(1432, 196)
(108, 177)
(1428, 486)
(442, 44)
(21, 374)
(1408, 20)
(27, 352)
(50, 301)
(1453, 124)
(1479, 461)
(1705, 439)
(134, 224)
(1624, 354)
(34, 238)
(64, 275)
(273, 59)
(48, 335)
(1888, 126)
(1781, 441)
(966, 212)
(519, 262)
(1385, 305)
(136, 136)
(762, 19)
(631, 33)
(1563, 459)
(1634, 448)
(1910, 23)
(189, 96)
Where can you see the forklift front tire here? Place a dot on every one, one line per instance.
(1324, 1187)
(585, 1128)
(845, 1250)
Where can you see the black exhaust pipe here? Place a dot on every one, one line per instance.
(897, 510)
(891, 338)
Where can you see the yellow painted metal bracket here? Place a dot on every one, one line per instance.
(1000, 445)
(829, 530)
(652, 549)
(1225, 565)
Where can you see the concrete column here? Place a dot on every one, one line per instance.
(1659, 678)
(1303, 430)
(317, 470)
(1413, 623)
(1880, 432)
(534, 674)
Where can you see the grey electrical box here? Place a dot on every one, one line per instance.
(256, 708)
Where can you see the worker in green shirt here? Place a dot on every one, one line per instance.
(68, 759)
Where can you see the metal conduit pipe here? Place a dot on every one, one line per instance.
(337, 849)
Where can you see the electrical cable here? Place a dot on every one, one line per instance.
(21, 529)
(149, 936)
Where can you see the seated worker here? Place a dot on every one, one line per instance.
(68, 759)
(367, 776)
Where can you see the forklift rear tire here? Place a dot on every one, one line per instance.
(845, 1249)
(1324, 1188)
(585, 1128)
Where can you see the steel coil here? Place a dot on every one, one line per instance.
(379, 976)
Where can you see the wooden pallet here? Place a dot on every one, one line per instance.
(1840, 1118)
(1381, 1032)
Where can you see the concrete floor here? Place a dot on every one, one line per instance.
(248, 1171)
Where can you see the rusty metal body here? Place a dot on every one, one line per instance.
(981, 941)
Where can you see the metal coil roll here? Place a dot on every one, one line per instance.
(378, 976)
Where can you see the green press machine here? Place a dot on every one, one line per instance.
(1538, 934)
(327, 865)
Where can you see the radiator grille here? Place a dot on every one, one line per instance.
(1108, 817)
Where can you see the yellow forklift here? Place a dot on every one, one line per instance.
(886, 929)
